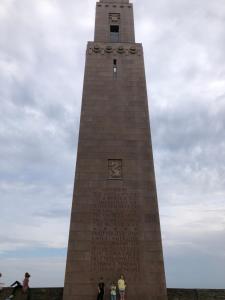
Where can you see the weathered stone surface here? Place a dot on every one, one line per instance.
(195, 294)
(34, 294)
(115, 226)
(18, 294)
(173, 294)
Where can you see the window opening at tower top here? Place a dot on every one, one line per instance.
(114, 33)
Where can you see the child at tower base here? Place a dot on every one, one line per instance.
(113, 291)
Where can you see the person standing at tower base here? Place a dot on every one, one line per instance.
(122, 287)
(101, 289)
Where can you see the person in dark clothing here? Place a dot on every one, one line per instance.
(101, 289)
(18, 286)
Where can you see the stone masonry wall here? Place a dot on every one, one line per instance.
(173, 294)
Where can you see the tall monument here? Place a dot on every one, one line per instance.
(115, 225)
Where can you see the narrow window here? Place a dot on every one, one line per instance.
(114, 68)
(114, 33)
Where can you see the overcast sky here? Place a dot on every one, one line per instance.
(42, 53)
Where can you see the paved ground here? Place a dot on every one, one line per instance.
(173, 294)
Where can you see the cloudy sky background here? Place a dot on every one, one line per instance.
(42, 52)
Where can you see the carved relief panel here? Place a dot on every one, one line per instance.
(115, 169)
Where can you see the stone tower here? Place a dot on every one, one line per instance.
(115, 225)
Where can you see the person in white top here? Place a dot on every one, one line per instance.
(1, 283)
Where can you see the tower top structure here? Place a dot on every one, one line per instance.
(115, 226)
(114, 22)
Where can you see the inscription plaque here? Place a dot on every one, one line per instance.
(115, 232)
(114, 18)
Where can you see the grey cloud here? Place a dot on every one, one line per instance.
(53, 213)
(42, 53)
(194, 268)
(47, 271)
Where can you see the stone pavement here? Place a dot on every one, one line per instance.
(173, 294)
(35, 294)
